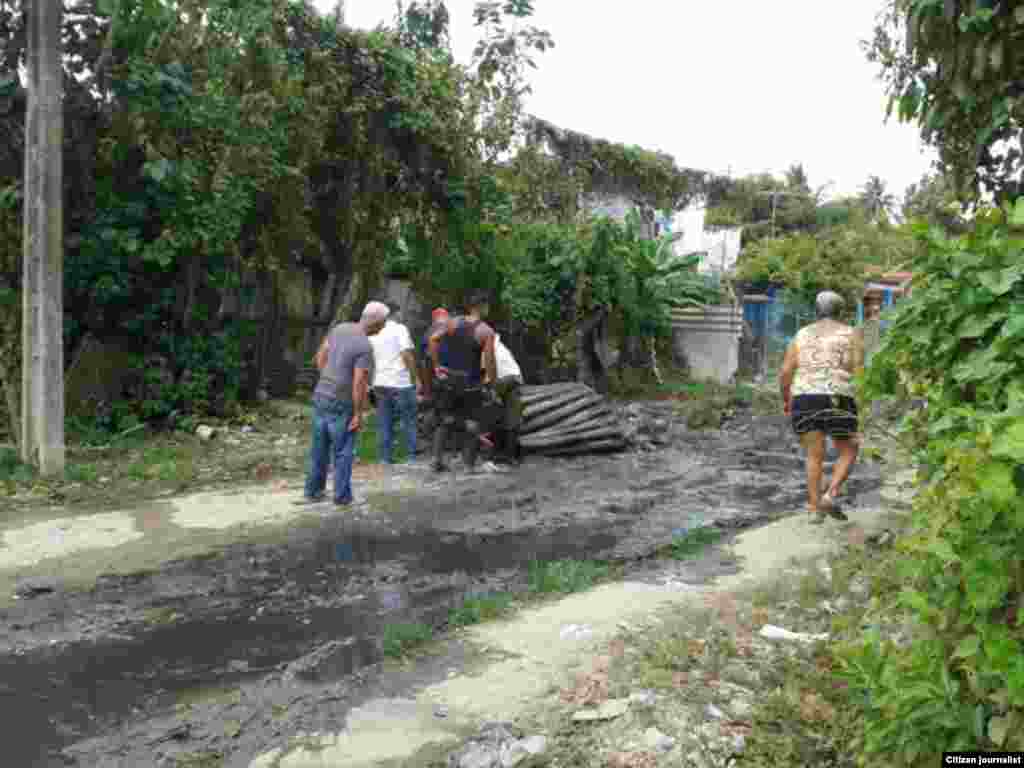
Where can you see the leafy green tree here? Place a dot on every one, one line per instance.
(839, 211)
(796, 179)
(954, 67)
(933, 199)
(879, 204)
(764, 204)
(834, 259)
(215, 146)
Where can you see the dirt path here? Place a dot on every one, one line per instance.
(218, 626)
(532, 655)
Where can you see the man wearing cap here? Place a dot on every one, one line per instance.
(458, 350)
(346, 360)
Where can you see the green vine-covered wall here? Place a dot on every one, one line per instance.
(650, 179)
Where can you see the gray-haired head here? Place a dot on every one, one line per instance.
(375, 314)
(829, 304)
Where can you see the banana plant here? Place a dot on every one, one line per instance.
(662, 280)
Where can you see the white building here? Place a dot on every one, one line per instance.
(720, 247)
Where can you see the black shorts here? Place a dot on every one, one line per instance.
(835, 415)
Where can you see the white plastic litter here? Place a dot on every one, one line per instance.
(576, 632)
(771, 632)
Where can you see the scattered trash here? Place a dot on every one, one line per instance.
(610, 710)
(515, 752)
(658, 741)
(643, 698)
(576, 632)
(714, 712)
(205, 433)
(771, 632)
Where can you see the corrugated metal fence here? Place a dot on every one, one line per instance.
(709, 340)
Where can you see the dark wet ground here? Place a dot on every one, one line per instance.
(229, 654)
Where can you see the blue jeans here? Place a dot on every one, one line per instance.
(330, 431)
(391, 402)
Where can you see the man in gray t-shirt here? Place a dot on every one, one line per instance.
(347, 349)
(345, 360)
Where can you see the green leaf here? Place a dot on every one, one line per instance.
(966, 373)
(1010, 443)
(1014, 327)
(976, 326)
(915, 600)
(968, 647)
(946, 422)
(995, 481)
(998, 727)
(1002, 281)
(943, 550)
(1017, 217)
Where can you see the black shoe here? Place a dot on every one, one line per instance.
(307, 500)
(438, 466)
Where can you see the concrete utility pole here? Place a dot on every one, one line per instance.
(42, 351)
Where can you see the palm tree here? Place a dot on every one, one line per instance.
(796, 179)
(876, 199)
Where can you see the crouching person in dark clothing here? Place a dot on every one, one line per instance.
(457, 349)
(508, 388)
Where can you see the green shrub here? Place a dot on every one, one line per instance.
(565, 576)
(957, 341)
(477, 609)
(11, 468)
(693, 542)
(399, 639)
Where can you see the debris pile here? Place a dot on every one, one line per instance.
(569, 418)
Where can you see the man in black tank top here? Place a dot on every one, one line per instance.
(466, 346)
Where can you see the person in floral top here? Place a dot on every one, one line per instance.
(818, 395)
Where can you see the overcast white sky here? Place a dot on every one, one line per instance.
(744, 85)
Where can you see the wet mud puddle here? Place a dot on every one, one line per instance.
(279, 620)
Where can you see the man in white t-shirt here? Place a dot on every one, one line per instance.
(396, 386)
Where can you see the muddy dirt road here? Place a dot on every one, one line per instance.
(213, 659)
